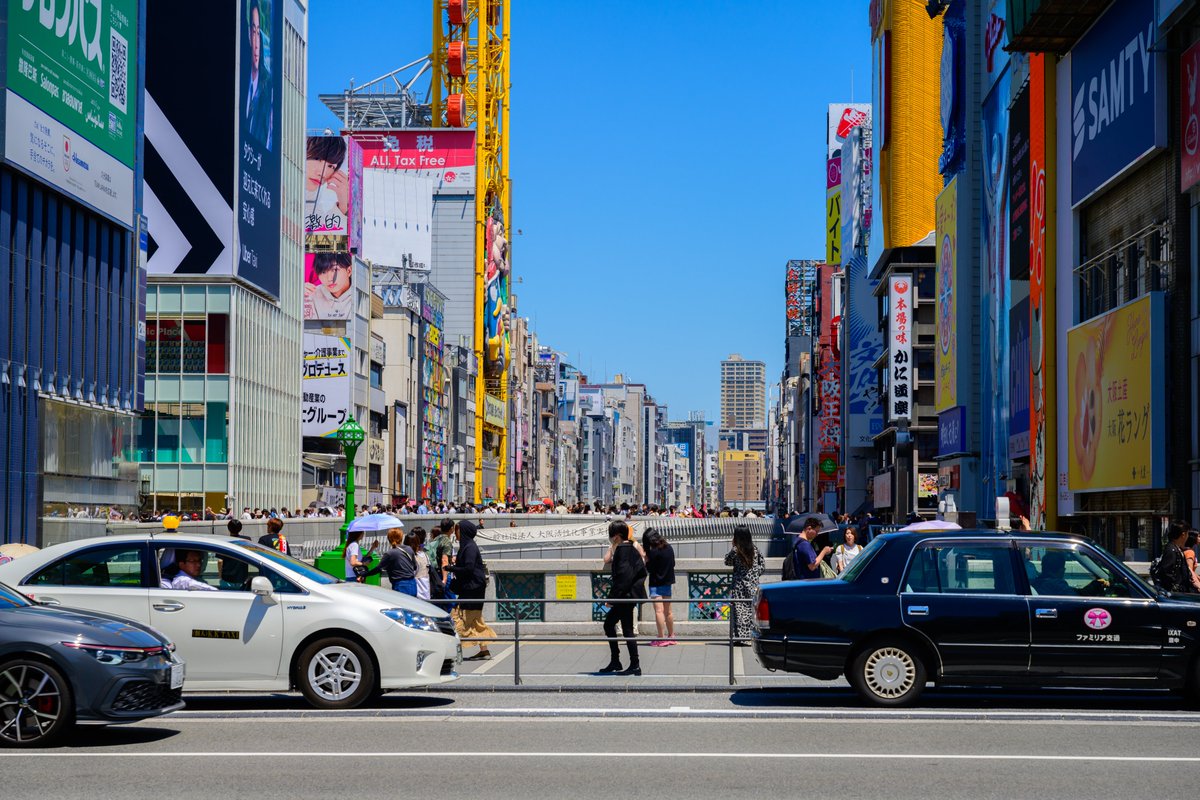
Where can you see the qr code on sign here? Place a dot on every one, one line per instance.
(118, 71)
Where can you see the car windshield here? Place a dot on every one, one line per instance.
(11, 598)
(859, 564)
(294, 564)
(1127, 573)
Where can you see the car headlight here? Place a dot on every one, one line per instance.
(410, 619)
(116, 656)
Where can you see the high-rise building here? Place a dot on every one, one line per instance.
(742, 478)
(224, 194)
(743, 393)
(70, 378)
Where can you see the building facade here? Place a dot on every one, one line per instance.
(743, 393)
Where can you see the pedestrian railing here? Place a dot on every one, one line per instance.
(518, 608)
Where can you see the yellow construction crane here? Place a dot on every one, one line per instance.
(470, 88)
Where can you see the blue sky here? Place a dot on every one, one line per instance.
(667, 159)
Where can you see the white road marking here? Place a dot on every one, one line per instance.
(475, 755)
(850, 715)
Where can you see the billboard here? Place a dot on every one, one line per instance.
(325, 387)
(1018, 380)
(901, 317)
(1117, 398)
(497, 269)
(829, 372)
(945, 363)
(1118, 96)
(1041, 266)
(328, 286)
(209, 150)
(397, 226)
(259, 218)
(1189, 119)
(445, 157)
(72, 100)
(798, 297)
(191, 123)
(333, 191)
(952, 431)
(1018, 186)
(994, 291)
(995, 38)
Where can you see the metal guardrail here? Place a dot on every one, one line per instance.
(518, 612)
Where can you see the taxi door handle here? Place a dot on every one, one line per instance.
(918, 611)
(1046, 613)
(171, 606)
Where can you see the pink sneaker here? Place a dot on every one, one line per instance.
(669, 642)
(658, 643)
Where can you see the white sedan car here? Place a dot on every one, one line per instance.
(254, 618)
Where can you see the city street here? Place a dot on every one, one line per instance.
(750, 743)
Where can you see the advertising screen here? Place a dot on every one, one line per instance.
(191, 129)
(328, 286)
(1018, 380)
(1189, 157)
(994, 295)
(1117, 398)
(72, 99)
(261, 91)
(325, 385)
(946, 350)
(333, 186)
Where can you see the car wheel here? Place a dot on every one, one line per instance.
(335, 673)
(36, 704)
(888, 673)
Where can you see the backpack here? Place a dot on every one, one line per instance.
(1156, 573)
(789, 564)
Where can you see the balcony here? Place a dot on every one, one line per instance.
(1050, 26)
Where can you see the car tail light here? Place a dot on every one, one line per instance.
(762, 612)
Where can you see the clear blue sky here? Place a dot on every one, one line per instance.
(667, 159)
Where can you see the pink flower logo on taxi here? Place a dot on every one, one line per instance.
(1097, 619)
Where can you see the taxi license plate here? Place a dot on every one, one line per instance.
(458, 655)
(176, 676)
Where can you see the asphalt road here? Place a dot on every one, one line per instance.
(817, 743)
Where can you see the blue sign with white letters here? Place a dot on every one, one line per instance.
(952, 431)
(1118, 96)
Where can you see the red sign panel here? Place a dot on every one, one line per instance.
(1189, 151)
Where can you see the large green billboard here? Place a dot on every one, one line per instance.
(76, 60)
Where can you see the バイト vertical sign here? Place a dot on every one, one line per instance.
(901, 317)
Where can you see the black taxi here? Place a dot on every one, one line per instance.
(980, 608)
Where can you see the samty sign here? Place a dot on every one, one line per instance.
(1118, 96)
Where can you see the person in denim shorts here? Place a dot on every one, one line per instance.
(660, 564)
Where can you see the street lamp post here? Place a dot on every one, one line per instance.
(350, 436)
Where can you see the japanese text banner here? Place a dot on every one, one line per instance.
(1117, 400)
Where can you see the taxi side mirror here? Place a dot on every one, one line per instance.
(262, 587)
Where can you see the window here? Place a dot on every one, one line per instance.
(114, 566)
(219, 569)
(1062, 570)
(376, 375)
(412, 346)
(960, 568)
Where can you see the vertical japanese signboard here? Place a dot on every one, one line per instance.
(901, 317)
(946, 350)
(798, 297)
(325, 398)
(71, 108)
(1041, 334)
